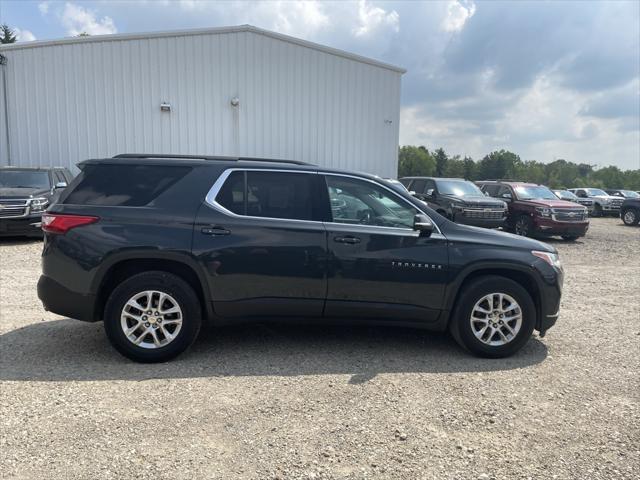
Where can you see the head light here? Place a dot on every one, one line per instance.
(543, 211)
(39, 204)
(552, 259)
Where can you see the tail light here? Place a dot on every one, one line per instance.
(57, 223)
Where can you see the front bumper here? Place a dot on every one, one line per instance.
(62, 301)
(480, 222)
(548, 227)
(550, 295)
(21, 226)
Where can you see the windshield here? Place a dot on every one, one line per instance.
(24, 178)
(459, 188)
(565, 194)
(596, 192)
(534, 193)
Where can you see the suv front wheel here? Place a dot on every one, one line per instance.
(494, 317)
(631, 216)
(152, 317)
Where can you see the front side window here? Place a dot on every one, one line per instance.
(364, 203)
(270, 195)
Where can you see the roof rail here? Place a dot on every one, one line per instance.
(208, 157)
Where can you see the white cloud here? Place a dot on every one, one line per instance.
(24, 35)
(371, 19)
(77, 20)
(457, 15)
(43, 7)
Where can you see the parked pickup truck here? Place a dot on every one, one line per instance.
(603, 202)
(459, 200)
(534, 210)
(571, 197)
(24, 194)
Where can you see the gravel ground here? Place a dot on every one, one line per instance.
(280, 402)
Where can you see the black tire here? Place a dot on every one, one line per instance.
(597, 211)
(569, 238)
(460, 324)
(163, 282)
(631, 216)
(523, 226)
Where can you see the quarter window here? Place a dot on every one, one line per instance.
(358, 202)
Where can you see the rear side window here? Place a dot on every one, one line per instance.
(124, 185)
(418, 186)
(271, 195)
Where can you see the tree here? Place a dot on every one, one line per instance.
(497, 165)
(414, 161)
(441, 161)
(83, 34)
(6, 34)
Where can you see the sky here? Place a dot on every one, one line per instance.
(546, 80)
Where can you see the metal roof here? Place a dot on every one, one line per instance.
(202, 31)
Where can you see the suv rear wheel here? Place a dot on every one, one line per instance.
(494, 317)
(152, 317)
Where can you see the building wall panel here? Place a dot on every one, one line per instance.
(72, 101)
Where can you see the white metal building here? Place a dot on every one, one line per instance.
(226, 91)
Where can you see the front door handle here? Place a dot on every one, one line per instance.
(215, 231)
(348, 239)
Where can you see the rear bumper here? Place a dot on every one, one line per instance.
(62, 301)
(30, 226)
(549, 227)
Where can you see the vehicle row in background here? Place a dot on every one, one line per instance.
(572, 197)
(603, 203)
(534, 210)
(25, 193)
(459, 200)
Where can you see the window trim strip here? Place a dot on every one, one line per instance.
(210, 198)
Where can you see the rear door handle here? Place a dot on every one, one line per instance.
(348, 239)
(215, 231)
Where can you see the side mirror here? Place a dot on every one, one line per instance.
(422, 224)
(430, 192)
(506, 196)
(61, 185)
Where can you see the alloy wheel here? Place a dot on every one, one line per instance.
(496, 319)
(151, 319)
(522, 227)
(629, 217)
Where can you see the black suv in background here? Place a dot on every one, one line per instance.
(25, 193)
(623, 193)
(459, 200)
(153, 245)
(630, 211)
